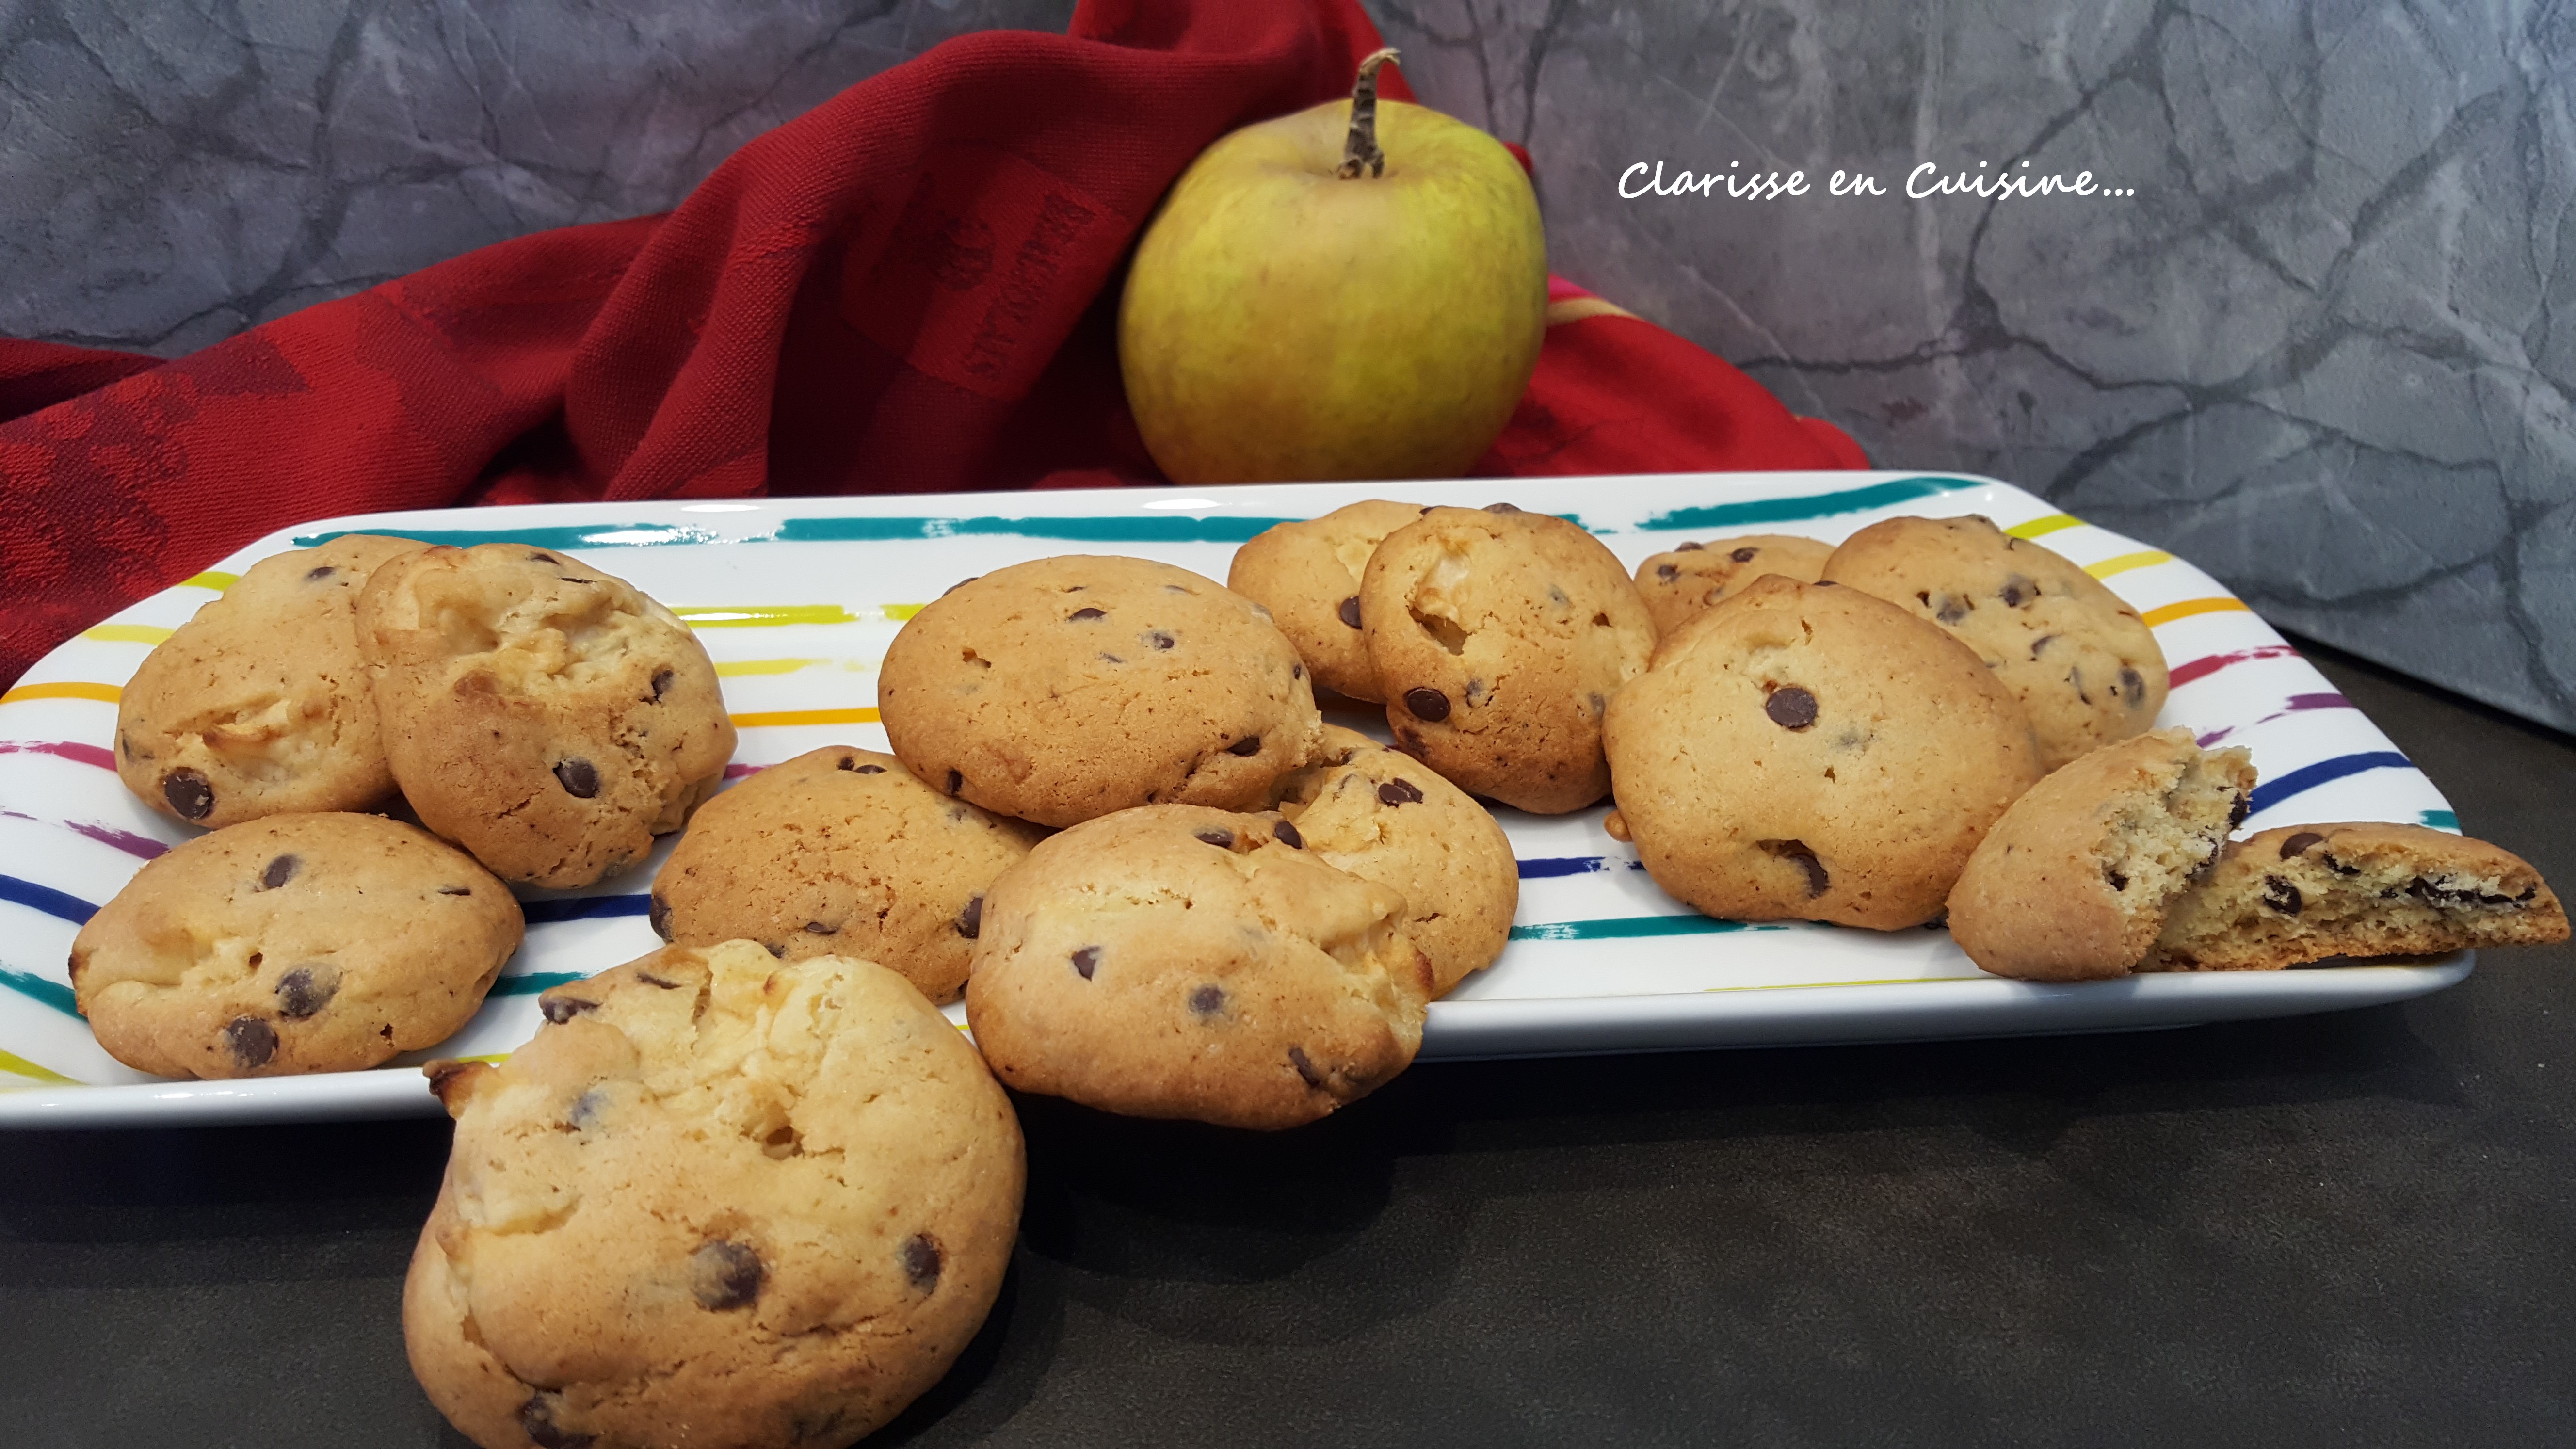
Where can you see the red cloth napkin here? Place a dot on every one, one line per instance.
(910, 289)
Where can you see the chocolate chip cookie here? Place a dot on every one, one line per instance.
(720, 1199)
(1307, 573)
(1382, 816)
(1807, 752)
(1178, 961)
(291, 944)
(2085, 667)
(259, 705)
(2074, 881)
(542, 714)
(1063, 689)
(1500, 637)
(2301, 893)
(1679, 585)
(840, 852)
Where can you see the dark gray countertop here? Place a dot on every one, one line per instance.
(2349, 1228)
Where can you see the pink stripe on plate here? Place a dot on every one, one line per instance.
(125, 840)
(2299, 704)
(2202, 668)
(85, 754)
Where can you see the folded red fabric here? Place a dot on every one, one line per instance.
(910, 289)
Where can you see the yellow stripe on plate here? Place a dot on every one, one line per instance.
(761, 616)
(736, 669)
(18, 1066)
(804, 717)
(214, 579)
(69, 689)
(2040, 527)
(902, 612)
(127, 633)
(2126, 562)
(2189, 607)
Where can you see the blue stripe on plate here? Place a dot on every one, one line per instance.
(530, 983)
(1814, 505)
(46, 899)
(51, 993)
(585, 908)
(1548, 867)
(1625, 927)
(2323, 772)
(580, 535)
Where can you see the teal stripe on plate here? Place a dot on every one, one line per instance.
(1814, 505)
(584, 535)
(2443, 820)
(51, 993)
(533, 982)
(1618, 928)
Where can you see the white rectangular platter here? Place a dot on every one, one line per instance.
(796, 599)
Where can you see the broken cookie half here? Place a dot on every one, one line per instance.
(2304, 893)
(2074, 882)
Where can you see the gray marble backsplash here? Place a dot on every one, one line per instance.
(2318, 350)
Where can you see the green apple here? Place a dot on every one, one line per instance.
(1354, 291)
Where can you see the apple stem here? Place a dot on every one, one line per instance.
(1360, 152)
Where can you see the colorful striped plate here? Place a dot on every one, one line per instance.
(796, 600)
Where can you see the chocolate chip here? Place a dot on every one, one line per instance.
(1744, 555)
(1086, 961)
(2298, 844)
(584, 1110)
(1688, 547)
(1208, 1000)
(1296, 671)
(307, 989)
(2118, 881)
(956, 781)
(1500, 508)
(1427, 703)
(659, 915)
(1088, 614)
(1246, 747)
(1599, 705)
(579, 778)
(280, 871)
(251, 1041)
(777, 949)
(1305, 1066)
(2133, 685)
(2281, 896)
(1667, 572)
(662, 683)
(456, 890)
(537, 1421)
(649, 979)
(2237, 812)
(725, 1276)
(1829, 583)
(1797, 850)
(1791, 707)
(323, 572)
(921, 1261)
(560, 1009)
(1221, 839)
(864, 769)
(1286, 834)
(817, 928)
(1399, 792)
(543, 558)
(1952, 610)
(1157, 638)
(189, 793)
(2338, 867)
(2042, 642)
(2018, 591)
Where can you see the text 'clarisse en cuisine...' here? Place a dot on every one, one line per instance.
(1921, 184)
